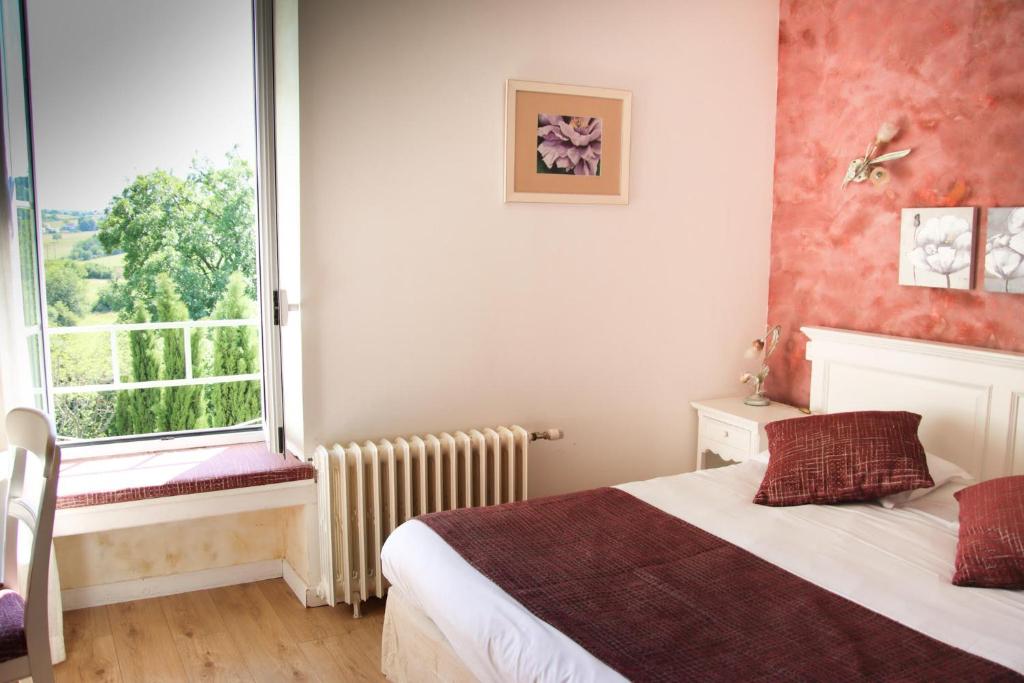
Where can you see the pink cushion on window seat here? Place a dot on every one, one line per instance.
(98, 481)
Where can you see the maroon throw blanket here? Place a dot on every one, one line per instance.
(658, 599)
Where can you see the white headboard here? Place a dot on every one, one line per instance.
(971, 399)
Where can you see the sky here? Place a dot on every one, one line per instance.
(122, 87)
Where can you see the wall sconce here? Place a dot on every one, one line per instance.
(866, 168)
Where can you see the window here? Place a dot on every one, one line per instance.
(156, 259)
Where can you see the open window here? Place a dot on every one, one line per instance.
(139, 145)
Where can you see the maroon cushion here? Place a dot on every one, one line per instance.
(843, 457)
(990, 552)
(144, 476)
(12, 626)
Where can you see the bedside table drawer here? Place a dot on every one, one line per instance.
(726, 434)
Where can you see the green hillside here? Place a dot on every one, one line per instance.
(61, 220)
(59, 245)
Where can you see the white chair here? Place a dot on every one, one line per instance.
(24, 633)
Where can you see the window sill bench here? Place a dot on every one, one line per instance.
(103, 494)
(106, 494)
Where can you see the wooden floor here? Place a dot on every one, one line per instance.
(253, 632)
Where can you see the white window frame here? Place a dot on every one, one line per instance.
(268, 279)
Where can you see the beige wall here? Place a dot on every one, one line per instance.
(179, 547)
(429, 304)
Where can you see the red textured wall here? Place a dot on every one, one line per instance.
(953, 71)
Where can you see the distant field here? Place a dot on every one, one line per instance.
(54, 248)
(61, 248)
(115, 261)
(93, 287)
(57, 249)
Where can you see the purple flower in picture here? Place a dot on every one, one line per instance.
(568, 144)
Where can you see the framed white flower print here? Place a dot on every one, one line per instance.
(937, 247)
(566, 143)
(1004, 250)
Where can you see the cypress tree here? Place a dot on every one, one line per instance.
(235, 352)
(137, 410)
(181, 407)
(199, 369)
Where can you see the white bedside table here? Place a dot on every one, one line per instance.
(733, 431)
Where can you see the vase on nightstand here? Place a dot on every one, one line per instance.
(757, 398)
(763, 345)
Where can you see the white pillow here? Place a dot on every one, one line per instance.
(942, 471)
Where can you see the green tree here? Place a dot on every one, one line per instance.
(198, 229)
(106, 300)
(137, 410)
(98, 271)
(87, 249)
(84, 416)
(65, 292)
(234, 353)
(60, 315)
(181, 407)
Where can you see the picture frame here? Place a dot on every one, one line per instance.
(937, 247)
(566, 144)
(1004, 250)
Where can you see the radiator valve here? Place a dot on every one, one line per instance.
(548, 434)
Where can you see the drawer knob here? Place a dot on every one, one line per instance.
(726, 433)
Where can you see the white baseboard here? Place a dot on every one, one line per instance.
(138, 589)
(306, 595)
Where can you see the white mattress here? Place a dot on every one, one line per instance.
(895, 562)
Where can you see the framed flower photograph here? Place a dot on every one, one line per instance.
(566, 144)
(1004, 250)
(937, 247)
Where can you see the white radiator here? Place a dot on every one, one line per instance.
(367, 490)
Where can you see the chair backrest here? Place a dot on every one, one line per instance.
(32, 502)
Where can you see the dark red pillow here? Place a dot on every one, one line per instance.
(843, 457)
(990, 552)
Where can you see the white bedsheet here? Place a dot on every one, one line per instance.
(895, 562)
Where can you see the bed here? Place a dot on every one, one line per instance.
(447, 621)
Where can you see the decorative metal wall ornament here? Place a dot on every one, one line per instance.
(865, 167)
